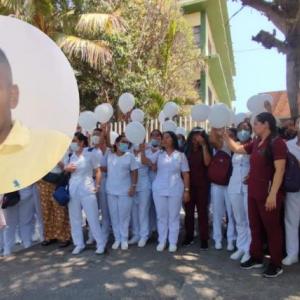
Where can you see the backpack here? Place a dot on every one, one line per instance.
(291, 181)
(220, 168)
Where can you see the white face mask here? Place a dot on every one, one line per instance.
(74, 147)
(95, 140)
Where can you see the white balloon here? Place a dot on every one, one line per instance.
(87, 120)
(239, 118)
(113, 136)
(200, 112)
(137, 115)
(219, 116)
(171, 109)
(169, 126)
(126, 102)
(135, 132)
(256, 103)
(181, 130)
(162, 117)
(104, 112)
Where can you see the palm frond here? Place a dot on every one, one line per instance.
(95, 53)
(92, 23)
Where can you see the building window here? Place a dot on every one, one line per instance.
(197, 35)
(210, 97)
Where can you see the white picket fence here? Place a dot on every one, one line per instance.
(186, 122)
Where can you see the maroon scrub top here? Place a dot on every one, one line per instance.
(198, 170)
(261, 168)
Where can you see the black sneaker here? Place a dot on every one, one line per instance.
(272, 271)
(251, 263)
(204, 245)
(187, 242)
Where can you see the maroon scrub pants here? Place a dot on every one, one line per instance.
(199, 199)
(267, 223)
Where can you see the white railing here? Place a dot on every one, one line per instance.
(186, 122)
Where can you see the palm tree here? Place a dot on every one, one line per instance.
(76, 29)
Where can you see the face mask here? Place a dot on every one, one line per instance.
(244, 135)
(123, 147)
(74, 147)
(95, 140)
(154, 143)
(180, 143)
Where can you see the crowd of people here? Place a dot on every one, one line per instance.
(233, 179)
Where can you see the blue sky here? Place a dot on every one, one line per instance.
(258, 70)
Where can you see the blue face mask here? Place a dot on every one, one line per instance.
(243, 135)
(123, 147)
(154, 143)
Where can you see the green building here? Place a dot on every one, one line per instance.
(210, 22)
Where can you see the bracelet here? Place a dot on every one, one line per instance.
(186, 189)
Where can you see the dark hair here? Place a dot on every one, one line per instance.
(4, 61)
(82, 138)
(196, 130)
(156, 130)
(118, 140)
(247, 123)
(233, 131)
(174, 139)
(266, 117)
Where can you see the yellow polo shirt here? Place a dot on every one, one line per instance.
(28, 155)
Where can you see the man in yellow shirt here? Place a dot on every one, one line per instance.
(25, 155)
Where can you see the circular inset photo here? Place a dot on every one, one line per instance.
(39, 104)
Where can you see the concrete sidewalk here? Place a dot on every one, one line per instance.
(49, 273)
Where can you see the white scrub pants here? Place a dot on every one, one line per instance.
(20, 216)
(168, 217)
(104, 211)
(120, 213)
(38, 213)
(239, 203)
(221, 205)
(292, 221)
(140, 215)
(1, 240)
(90, 206)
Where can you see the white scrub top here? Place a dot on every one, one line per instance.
(118, 173)
(81, 182)
(241, 167)
(152, 156)
(144, 182)
(103, 160)
(294, 148)
(168, 180)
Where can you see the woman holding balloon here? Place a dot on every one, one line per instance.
(268, 154)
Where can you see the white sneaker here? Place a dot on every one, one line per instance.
(237, 255)
(77, 250)
(245, 257)
(124, 246)
(160, 247)
(230, 246)
(90, 241)
(172, 248)
(115, 245)
(133, 240)
(218, 246)
(290, 260)
(142, 243)
(100, 250)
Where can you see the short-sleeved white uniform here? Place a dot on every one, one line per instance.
(118, 173)
(168, 181)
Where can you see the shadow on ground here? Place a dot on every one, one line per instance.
(49, 273)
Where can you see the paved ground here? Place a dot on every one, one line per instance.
(48, 273)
